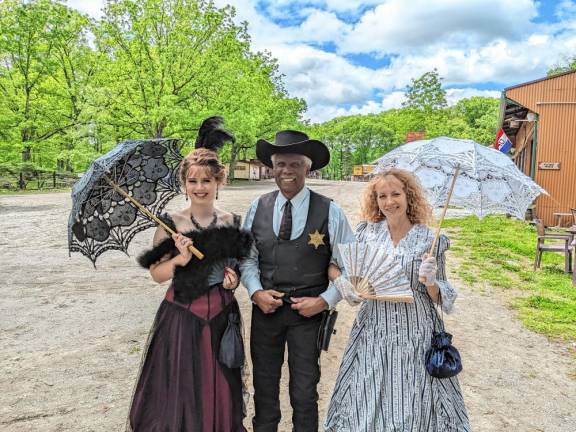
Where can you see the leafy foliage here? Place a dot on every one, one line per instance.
(425, 93)
(71, 88)
(361, 139)
(569, 64)
(500, 252)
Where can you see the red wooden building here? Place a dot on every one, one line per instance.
(539, 117)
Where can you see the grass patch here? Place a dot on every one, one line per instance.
(500, 251)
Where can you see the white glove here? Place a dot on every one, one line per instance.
(347, 291)
(427, 271)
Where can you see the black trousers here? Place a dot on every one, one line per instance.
(268, 337)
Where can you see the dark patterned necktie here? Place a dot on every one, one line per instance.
(286, 223)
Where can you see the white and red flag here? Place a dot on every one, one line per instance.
(502, 143)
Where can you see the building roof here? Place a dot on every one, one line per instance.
(539, 80)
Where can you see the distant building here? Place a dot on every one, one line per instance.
(362, 172)
(415, 136)
(251, 169)
(539, 117)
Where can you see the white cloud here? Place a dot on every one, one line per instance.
(321, 77)
(396, 26)
(500, 61)
(469, 42)
(392, 100)
(454, 95)
(349, 5)
(322, 26)
(566, 10)
(321, 113)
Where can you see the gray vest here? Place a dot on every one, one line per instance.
(293, 266)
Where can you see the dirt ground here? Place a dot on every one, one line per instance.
(71, 336)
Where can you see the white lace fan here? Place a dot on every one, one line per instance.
(375, 275)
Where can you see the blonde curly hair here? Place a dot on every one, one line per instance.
(206, 159)
(419, 211)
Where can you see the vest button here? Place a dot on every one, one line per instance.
(295, 268)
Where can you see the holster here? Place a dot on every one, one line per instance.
(326, 329)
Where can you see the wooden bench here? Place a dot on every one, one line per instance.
(559, 217)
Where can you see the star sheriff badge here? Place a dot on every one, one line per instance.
(316, 239)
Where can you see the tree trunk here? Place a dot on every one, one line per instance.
(232, 164)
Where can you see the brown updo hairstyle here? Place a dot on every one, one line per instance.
(205, 158)
(419, 211)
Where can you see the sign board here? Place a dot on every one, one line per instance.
(360, 170)
(549, 165)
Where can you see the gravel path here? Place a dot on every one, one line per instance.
(71, 336)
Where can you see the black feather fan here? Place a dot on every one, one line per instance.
(212, 134)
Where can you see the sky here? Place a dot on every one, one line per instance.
(347, 57)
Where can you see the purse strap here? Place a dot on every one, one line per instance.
(441, 317)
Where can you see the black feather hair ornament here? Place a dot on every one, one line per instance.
(212, 134)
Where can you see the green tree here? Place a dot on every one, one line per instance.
(425, 93)
(354, 140)
(39, 77)
(168, 64)
(481, 116)
(569, 64)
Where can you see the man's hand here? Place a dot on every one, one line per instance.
(309, 306)
(268, 300)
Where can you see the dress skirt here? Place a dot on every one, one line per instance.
(182, 387)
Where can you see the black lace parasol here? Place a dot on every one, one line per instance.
(135, 175)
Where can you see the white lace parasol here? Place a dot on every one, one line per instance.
(489, 181)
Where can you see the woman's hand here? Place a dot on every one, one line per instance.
(347, 290)
(182, 243)
(427, 271)
(333, 272)
(230, 279)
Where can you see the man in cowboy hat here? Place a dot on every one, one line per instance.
(295, 231)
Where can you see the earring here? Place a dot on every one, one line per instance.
(216, 192)
(186, 195)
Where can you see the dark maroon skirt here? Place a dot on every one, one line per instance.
(182, 387)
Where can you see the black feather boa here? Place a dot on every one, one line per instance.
(191, 281)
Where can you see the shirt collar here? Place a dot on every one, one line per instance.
(296, 201)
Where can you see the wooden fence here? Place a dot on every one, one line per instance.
(38, 181)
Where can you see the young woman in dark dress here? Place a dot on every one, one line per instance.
(183, 387)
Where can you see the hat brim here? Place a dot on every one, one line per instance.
(314, 149)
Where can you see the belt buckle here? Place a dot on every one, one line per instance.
(287, 297)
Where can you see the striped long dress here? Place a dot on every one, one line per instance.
(383, 385)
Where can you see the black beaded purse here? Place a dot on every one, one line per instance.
(231, 353)
(442, 358)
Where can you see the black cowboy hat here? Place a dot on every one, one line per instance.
(290, 141)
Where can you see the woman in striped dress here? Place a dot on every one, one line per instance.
(383, 384)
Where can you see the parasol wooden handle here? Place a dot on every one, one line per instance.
(152, 216)
(443, 214)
